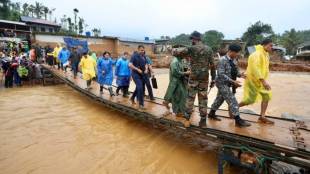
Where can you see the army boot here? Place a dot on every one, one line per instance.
(239, 122)
(213, 116)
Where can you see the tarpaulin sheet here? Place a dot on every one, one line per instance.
(81, 44)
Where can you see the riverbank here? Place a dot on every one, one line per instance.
(163, 61)
(283, 66)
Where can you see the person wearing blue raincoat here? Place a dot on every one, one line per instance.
(63, 57)
(105, 72)
(123, 73)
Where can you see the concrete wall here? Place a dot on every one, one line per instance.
(101, 45)
(130, 47)
(98, 45)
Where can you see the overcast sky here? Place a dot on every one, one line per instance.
(154, 18)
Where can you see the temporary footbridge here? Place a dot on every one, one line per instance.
(287, 140)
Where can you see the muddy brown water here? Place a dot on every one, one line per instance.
(291, 93)
(57, 130)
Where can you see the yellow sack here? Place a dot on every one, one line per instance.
(258, 68)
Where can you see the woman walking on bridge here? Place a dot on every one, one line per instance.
(105, 72)
(176, 92)
(87, 65)
(122, 73)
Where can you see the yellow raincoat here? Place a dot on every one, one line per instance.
(56, 52)
(88, 66)
(258, 68)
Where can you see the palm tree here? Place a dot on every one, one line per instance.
(63, 21)
(75, 11)
(45, 11)
(31, 10)
(70, 24)
(38, 9)
(50, 13)
(25, 9)
(17, 7)
(96, 32)
(81, 25)
(85, 26)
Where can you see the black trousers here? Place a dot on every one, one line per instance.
(123, 88)
(8, 82)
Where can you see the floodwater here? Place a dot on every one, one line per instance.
(291, 94)
(57, 130)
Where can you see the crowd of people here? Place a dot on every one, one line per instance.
(188, 81)
(192, 73)
(104, 69)
(19, 65)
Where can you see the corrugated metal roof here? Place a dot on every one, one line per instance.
(307, 43)
(37, 21)
(279, 48)
(12, 22)
(136, 40)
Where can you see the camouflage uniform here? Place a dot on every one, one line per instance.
(201, 61)
(224, 81)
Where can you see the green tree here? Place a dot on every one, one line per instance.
(304, 35)
(182, 39)
(45, 12)
(31, 10)
(256, 33)
(38, 9)
(70, 25)
(81, 26)
(25, 9)
(50, 13)
(96, 32)
(14, 13)
(290, 40)
(213, 39)
(63, 21)
(5, 9)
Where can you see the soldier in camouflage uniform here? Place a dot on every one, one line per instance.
(201, 62)
(227, 72)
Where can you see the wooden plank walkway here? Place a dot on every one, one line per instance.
(286, 136)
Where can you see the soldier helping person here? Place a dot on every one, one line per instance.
(227, 73)
(201, 62)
